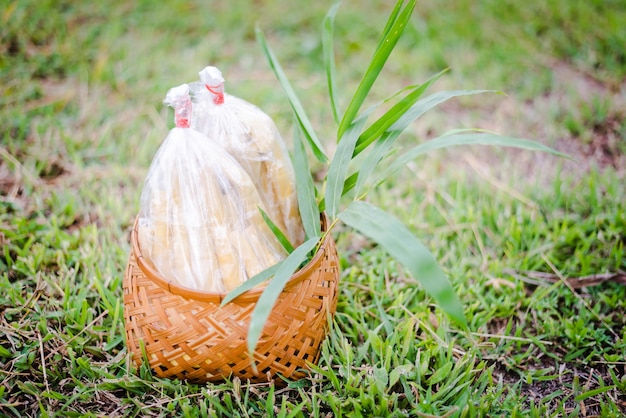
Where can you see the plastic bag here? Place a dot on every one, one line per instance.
(250, 136)
(199, 221)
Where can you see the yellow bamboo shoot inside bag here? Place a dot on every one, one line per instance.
(199, 221)
(252, 138)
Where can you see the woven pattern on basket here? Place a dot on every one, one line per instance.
(187, 335)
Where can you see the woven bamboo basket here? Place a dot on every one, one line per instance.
(186, 334)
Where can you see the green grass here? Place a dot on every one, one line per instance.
(81, 117)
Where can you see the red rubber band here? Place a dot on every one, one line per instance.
(219, 95)
(182, 122)
(182, 114)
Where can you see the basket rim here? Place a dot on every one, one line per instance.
(217, 297)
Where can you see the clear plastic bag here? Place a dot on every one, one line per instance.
(199, 221)
(252, 138)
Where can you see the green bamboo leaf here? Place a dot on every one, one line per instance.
(329, 58)
(347, 186)
(280, 235)
(296, 106)
(251, 283)
(388, 138)
(350, 183)
(457, 139)
(376, 129)
(305, 189)
(401, 244)
(393, 16)
(383, 146)
(430, 102)
(275, 286)
(396, 24)
(379, 150)
(395, 114)
(338, 169)
(375, 106)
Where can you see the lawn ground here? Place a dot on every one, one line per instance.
(533, 244)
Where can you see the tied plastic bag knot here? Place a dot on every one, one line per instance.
(218, 96)
(214, 83)
(179, 99)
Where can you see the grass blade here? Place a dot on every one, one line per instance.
(593, 392)
(275, 286)
(401, 244)
(338, 169)
(457, 139)
(305, 189)
(329, 59)
(395, 27)
(302, 118)
(280, 235)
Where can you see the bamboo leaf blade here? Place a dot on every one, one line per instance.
(383, 146)
(338, 169)
(430, 102)
(393, 16)
(395, 114)
(251, 283)
(305, 189)
(384, 122)
(458, 139)
(379, 150)
(296, 106)
(268, 298)
(348, 185)
(329, 59)
(392, 34)
(280, 235)
(401, 244)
